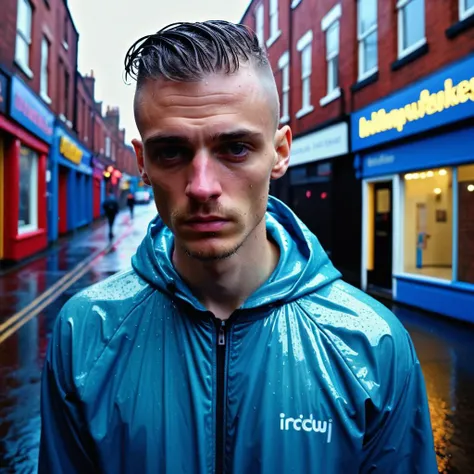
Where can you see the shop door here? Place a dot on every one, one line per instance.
(312, 204)
(62, 200)
(382, 272)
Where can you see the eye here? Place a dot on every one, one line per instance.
(169, 154)
(235, 150)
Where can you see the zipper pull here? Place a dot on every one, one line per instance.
(221, 338)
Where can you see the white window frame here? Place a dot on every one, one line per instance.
(327, 22)
(107, 147)
(284, 67)
(275, 31)
(361, 37)
(260, 23)
(295, 3)
(33, 225)
(405, 52)
(44, 74)
(24, 36)
(463, 11)
(304, 45)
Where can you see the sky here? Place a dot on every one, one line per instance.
(107, 28)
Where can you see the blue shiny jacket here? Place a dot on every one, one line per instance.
(310, 375)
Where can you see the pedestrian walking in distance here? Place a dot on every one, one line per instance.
(111, 209)
(131, 203)
(231, 345)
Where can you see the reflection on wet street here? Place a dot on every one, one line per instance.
(444, 348)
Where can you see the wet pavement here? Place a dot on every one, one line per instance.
(445, 347)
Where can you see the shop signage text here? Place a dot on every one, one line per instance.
(327, 143)
(3, 93)
(69, 150)
(28, 110)
(444, 97)
(428, 104)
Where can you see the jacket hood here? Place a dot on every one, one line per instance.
(304, 266)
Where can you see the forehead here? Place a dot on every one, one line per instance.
(214, 104)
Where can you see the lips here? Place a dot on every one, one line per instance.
(206, 223)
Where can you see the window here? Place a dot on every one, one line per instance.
(295, 3)
(411, 26)
(65, 31)
(304, 46)
(367, 37)
(23, 36)
(259, 18)
(28, 205)
(466, 8)
(107, 147)
(44, 83)
(428, 237)
(66, 94)
(283, 65)
(274, 31)
(466, 224)
(330, 25)
(332, 56)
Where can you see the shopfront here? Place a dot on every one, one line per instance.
(415, 156)
(98, 187)
(70, 187)
(325, 194)
(27, 133)
(4, 86)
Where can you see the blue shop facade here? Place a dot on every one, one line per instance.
(415, 155)
(70, 194)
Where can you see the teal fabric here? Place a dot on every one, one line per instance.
(319, 377)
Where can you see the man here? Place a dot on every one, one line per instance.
(131, 203)
(111, 209)
(232, 345)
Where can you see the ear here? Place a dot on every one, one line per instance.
(138, 147)
(283, 138)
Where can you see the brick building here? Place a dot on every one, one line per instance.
(56, 148)
(380, 98)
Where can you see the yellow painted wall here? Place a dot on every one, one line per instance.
(370, 227)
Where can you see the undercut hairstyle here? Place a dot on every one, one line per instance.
(187, 52)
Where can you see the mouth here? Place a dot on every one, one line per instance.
(206, 223)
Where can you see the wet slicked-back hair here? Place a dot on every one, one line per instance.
(187, 52)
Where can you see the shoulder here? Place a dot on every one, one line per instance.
(88, 322)
(370, 339)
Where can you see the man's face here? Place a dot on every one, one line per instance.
(209, 150)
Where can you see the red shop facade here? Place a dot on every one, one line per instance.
(28, 134)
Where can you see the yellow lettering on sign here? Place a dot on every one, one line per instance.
(428, 104)
(70, 151)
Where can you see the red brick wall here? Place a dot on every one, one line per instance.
(8, 32)
(47, 21)
(442, 51)
(85, 106)
(308, 14)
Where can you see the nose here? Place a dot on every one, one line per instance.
(203, 184)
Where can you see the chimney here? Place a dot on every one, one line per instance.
(89, 82)
(112, 117)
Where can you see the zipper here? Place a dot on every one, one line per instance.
(220, 396)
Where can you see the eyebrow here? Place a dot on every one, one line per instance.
(240, 134)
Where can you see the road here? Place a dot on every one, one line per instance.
(34, 293)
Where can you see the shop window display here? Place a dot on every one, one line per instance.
(28, 203)
(428, 215)
(466, 224)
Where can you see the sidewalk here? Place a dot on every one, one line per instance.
(22, 283)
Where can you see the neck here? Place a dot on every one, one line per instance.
(223, 285)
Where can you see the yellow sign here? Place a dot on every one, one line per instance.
(70, 151)
(428, 104)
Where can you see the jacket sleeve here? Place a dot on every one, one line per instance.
(403, 442)
(64, 445)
